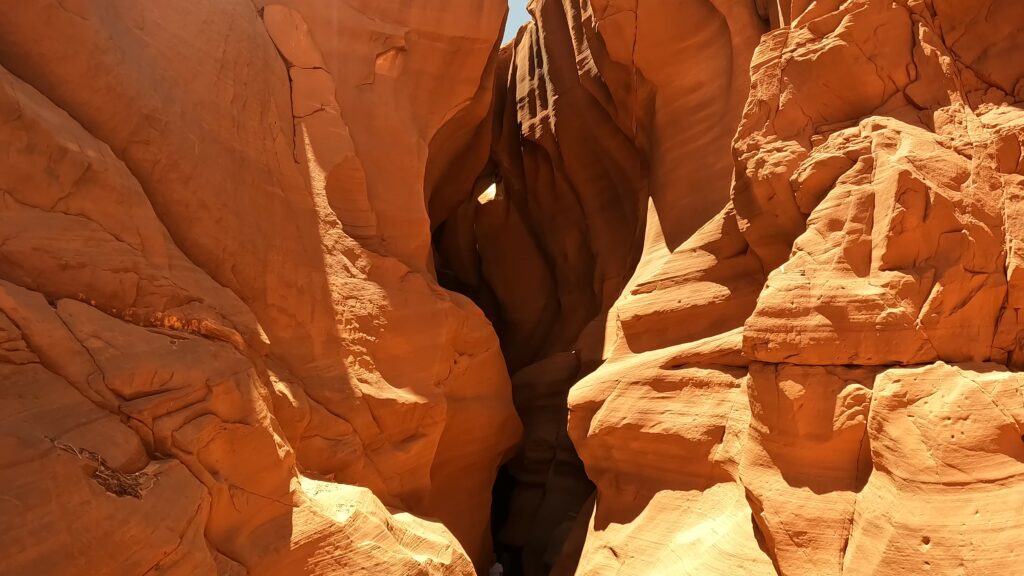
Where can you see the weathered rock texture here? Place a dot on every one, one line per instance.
(821, 380)
(810, 369)
(755, 266)
(597, 123)
(218, 313)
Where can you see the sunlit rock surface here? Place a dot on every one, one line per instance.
(820, 380)
(215, 257)
(702, 287)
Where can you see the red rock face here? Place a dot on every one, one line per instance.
(217, 284)
(839, 395)
(266, 267)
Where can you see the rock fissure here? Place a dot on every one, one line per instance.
(698, 288)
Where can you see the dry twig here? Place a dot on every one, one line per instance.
(117, 483)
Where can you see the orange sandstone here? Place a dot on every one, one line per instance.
(725, 286)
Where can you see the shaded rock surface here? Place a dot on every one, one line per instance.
(820, 380)
(806, 213)
(720, 286)
(217, 288)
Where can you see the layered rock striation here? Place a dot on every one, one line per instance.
(219, 314)
(720, 286)
(840, 396)
(819, 209)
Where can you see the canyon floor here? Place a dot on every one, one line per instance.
(352, 287)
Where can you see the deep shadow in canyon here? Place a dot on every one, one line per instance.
(732, 287)
(539, 220)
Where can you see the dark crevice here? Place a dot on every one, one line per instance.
(537, 215)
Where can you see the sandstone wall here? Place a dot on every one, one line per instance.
(612, 142)
(754, 267)
(215, 256)
(839, 396)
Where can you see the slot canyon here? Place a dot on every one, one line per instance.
(655, 287)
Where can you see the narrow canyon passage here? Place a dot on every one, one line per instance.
(541, 218)
(700, 254)
(358, 287)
